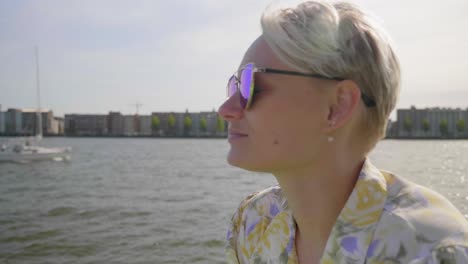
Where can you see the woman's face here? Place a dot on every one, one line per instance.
(284, 127)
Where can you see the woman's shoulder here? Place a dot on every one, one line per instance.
(416, 203)
(418, 222)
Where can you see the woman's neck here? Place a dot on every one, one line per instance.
(316, 194)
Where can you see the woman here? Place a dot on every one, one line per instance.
(311, 99)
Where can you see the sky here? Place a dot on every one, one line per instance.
(108, 55)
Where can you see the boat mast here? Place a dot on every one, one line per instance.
(39, 113)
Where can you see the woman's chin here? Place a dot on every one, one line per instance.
(243, 162)
(236, 160)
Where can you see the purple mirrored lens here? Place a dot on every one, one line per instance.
(232, 86)
(246, 85)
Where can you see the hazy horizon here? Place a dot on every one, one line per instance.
(97, 57)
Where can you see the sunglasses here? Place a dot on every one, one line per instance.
(244, 82)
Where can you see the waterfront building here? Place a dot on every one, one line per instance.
(30, 121)
(13, 122)
(388, 130)
(179, 127)
(21, 122)
(86, 125)
(58, 126)
(432, 123)
(2, 123)
(392, 130)
(195, 129)
(115, 124)
(145, 125)
(130, 125)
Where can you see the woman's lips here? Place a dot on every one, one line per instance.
(236, 135)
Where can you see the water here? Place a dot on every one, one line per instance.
(163, 200)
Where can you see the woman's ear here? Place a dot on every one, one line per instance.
(345, 99)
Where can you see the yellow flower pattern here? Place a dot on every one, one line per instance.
(385, 220)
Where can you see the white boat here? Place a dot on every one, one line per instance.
(26, 153)
(28, 149)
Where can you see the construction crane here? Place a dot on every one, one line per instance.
(137, 106)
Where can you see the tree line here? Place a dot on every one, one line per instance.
(426, 126)
(188, 122)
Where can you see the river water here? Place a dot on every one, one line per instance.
(163, 200)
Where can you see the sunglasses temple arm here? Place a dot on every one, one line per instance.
(369, 102)
(275, 71)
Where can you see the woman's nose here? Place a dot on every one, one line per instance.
(231, 108)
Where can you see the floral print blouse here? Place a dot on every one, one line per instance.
(386, 219)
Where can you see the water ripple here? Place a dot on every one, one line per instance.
(42, 235)
(61, 211)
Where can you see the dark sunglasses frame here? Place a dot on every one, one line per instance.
(369, 102)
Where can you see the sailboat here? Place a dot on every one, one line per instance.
(28, 149)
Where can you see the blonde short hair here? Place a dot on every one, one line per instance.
(339, 40)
